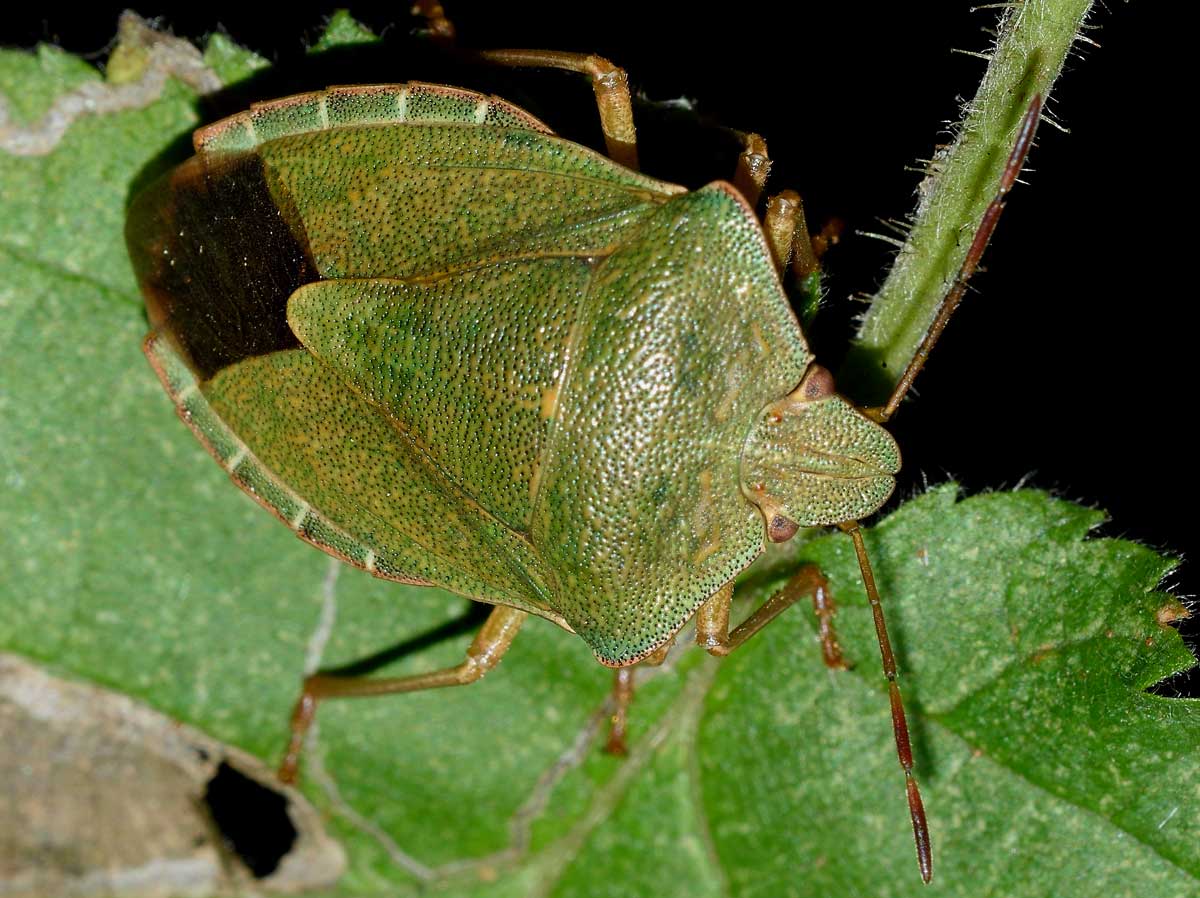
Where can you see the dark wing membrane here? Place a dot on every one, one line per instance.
(216, 261)
(220, 243)
(423, 477)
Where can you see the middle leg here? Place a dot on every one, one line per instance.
(622, 697)
(787, 233)
(712, 633)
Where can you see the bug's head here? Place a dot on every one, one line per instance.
(812, 459)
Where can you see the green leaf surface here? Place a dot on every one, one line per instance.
(130, 561)
(343, 30)
(230, 61)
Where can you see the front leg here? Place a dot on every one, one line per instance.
(712, 632)
(712, 619)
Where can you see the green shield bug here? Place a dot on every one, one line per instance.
(451, 348)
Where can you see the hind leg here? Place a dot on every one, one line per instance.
(622, 697)
(485, 652)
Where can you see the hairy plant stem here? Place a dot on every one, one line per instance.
(961, 180)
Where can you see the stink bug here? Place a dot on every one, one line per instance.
(451, 348)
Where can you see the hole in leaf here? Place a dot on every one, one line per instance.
(252, 819)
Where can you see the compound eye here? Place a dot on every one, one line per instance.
(781, 529)
(816, 385)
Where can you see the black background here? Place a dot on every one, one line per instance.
(1068, 368)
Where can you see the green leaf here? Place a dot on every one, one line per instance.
(231, 62)
(131, 562)
(343, 30)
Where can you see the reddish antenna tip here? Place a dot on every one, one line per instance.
(916, 809)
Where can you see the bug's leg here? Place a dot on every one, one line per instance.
(987, 224)
(825, 609)
(783, 221)
(712, 632)
(712, 619)
(484, 653)
(828, 236)
(753, 167)
(622, 696)
(610, 83)
(440, 28)
(787, 234)
(916, 807)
